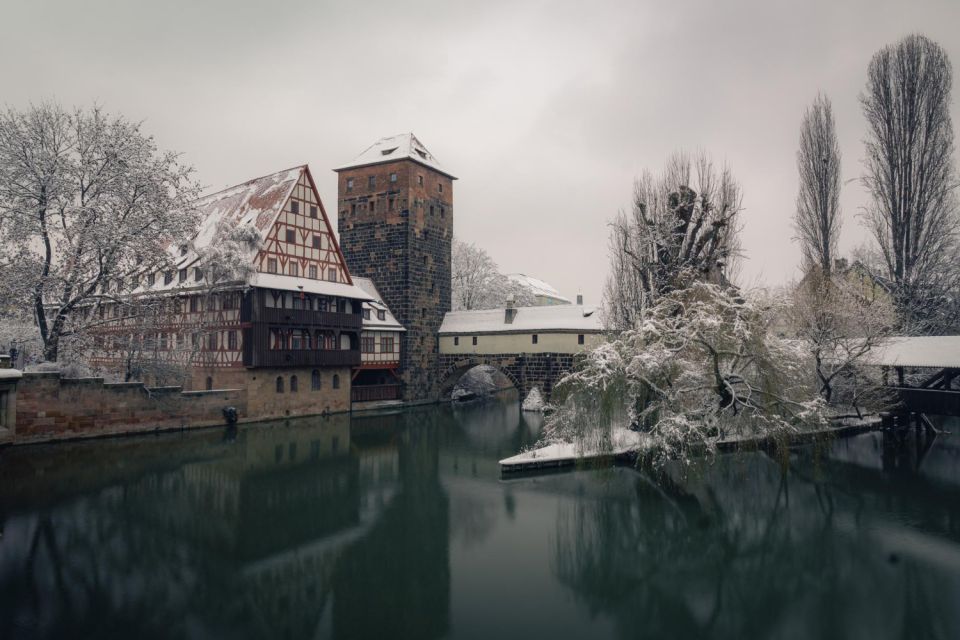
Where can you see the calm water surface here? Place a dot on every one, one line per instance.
(400, 526)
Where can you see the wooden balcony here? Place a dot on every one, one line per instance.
(376, 392)
(307, 318)
(303, 358)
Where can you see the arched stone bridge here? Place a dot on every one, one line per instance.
(525, 371)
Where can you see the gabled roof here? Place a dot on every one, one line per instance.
(404, 146)
(538, 287)
(389, 323)
(940, 352)
(562, 317)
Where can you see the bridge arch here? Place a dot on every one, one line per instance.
(453, 371)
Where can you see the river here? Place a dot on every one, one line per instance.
(400, 526)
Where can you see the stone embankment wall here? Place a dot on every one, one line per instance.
(49, 407)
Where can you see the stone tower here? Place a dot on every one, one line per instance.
(395, 206)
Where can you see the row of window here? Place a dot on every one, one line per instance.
(372, 182)
(305, 301)
(368, 344)
(295, 208)
(194, 304)
(391, 206)
(316, 382)
(293, 269)
(304, 339)
(534, 339)
(164, 341)
(290, 237)
(381, 314)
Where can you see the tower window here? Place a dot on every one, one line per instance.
(440, 187)
(390, 204)
(420, 181)
(372, 182)
(353, 207)
(443, 212)
(393, 177)
(291, 236)
(294, 206)
(349, 184)
(373, 205)
(431, 209)
(313, 211)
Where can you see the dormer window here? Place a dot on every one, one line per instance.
(167, 277)
(366, 314)
(381, 315)
(198, 274)
(182, 275)
(183, 249)
(387, 152)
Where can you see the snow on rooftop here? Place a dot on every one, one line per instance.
(404, 146)
(321, 287)
(377, 304)
(256, 202)
(545, 318)
(925, 351)
(538, 287)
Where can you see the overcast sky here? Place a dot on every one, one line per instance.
(546, 111)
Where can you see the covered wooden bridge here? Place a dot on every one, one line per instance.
(925, 372)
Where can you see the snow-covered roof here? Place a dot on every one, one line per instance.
(538, 287)
(404, 146)
(256, 202)
(321, 287)
(937, 352)
(562, 317)
(389, 323)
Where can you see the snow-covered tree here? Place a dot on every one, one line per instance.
(87, 202)
(840, 318)
(683, 227)
(702, 364)
(477, 283)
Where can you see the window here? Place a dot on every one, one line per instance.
(212, 342)
(580, 339)
(381, 314)
(332, 275)
(183, 249)
(420, 181)
(312, 271)
(386, 344)
(167, 277)
(443, 212)
(163, 342)
(232, 340)
(279, 384)
(209, 384)
(313, 211)
(194, 340)
(393, 177)
(366, 344)
(372, 182)
(317, 241)
(294, 208)
(431, 209)
(366, 314)
(439, 187)
(336, 381)
(151, 279)
(229, 301)
(198, 274)
(456, 341)
(293, 269)
(297, 344)
(390, 203)
(349, 184)
(271, 265)
(315, 380)
(182, 275)
(535, 337)
(474, 340)
(194, 304)
(353, 207)
(294, 387)
(291, 236)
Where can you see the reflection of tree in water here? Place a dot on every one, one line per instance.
(738, 551)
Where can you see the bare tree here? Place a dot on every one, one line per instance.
(909, 170)
(87, 201)
(476, 281)
(683, 227)
(817, 219)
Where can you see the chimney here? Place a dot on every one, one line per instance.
(510, 312)
(580, 299)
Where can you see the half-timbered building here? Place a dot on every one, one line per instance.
(284, 323)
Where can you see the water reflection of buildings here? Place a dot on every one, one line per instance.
(270, 540)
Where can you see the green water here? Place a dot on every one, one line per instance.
(400, 526)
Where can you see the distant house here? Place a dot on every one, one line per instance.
(545, 294)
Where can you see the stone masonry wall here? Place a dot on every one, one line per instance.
(525, 371)
(400, 235)
(53, 408)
